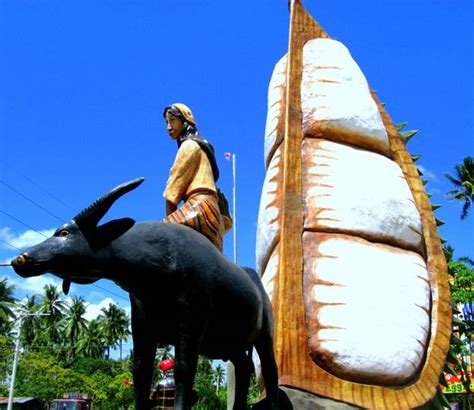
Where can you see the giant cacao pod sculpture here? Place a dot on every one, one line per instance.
(347, 243)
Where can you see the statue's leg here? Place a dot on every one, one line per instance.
(190, 333)
(144, 345)
(264, 347)
(243, 369)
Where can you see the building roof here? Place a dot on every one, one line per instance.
(19, 400)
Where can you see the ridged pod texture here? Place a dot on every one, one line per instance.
(374, 286)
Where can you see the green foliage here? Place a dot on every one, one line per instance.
(208, 395)
(76, 324)
(92, 343)
(115, 324)
(6, 304)
(91, 365)
(121, 395)
(53, 306)
(209, 399)
(7, 349)
(204, 373)
(463, 180)
(254, 391)
(30, 330)
(39, 376)
(462, 285)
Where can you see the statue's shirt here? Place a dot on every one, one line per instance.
(190, 173)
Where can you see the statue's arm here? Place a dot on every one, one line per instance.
(182, 172)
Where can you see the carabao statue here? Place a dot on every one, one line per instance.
(347, 243)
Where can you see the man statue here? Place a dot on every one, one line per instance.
(193, 178)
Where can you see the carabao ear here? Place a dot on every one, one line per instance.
(108, 232)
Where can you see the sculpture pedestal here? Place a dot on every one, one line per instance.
(301, 400)
(294, 399)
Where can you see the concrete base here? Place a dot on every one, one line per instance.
(293, 399)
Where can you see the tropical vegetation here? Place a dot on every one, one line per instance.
(62, 352)
(464, 185)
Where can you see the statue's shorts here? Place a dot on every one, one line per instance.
(201, 212)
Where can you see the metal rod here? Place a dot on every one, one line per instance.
(15, 359)
(15, 364)
(234, 207)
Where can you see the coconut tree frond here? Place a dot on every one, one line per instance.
(464, 183)
(92, 343)
(467, 260)
(465, 208)
(31, 325)
(465, 171)
(455, 181)
(54, 307)
(76, 325)
(7, 302)
(115, 325)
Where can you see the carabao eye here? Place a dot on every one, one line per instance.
(63, 233)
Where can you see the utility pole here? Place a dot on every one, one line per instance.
(16, 356)
(230, 366)
(234, 207)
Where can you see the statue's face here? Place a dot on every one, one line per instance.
(174, 125)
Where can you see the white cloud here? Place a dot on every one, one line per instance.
(428, 174)
(95, 295)
(35, 284)
(25, 239)
(94, 310)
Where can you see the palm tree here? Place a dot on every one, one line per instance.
(464, 182)
(7, 302)
(219, 374)
(31, 325)
(76, 324)
(164, 352)
(52, 305)
(115, 324)
(92, 343)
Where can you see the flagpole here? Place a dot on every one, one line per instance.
(230, 367)
(234, 212)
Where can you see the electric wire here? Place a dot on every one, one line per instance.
(40, 187)
(23, 223)
(30, 200)
(30, 227)
(9, 244)
(108, 291)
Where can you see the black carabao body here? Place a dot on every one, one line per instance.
(183, 292)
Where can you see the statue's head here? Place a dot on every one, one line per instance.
(178, 117)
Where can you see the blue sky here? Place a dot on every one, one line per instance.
(83, 85)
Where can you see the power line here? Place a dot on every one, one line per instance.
(41, 187)
(30, 200)
(108, 291)
(30, 227)
(9, 244)
(23, 223)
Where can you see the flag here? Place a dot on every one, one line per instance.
(227, 155)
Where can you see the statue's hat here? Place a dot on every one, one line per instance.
(186, 112)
